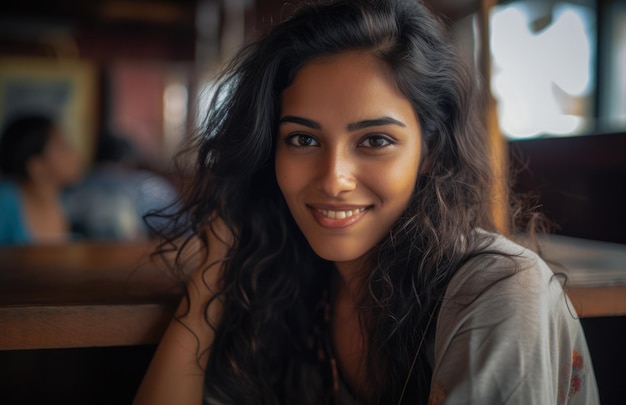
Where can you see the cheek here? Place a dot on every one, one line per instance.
(408, 174)
(66, 165)
(395, 182)
(405, 179)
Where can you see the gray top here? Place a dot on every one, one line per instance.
(506, 334)
(510, 336)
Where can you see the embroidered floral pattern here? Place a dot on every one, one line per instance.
(577, 360)
(576, 382)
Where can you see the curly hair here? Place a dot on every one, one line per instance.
(272, 280)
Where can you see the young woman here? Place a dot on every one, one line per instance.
(339, 236)
(36, 163)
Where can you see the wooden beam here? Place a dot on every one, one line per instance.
(498, 147)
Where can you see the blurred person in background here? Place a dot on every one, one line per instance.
(36, 163)
(110, 203)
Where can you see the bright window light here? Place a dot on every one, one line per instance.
(542, 70)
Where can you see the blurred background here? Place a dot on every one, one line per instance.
(136, 75)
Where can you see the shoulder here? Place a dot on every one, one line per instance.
(501, 267)
(506, 287)
(506, 331)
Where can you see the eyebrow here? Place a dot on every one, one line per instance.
(302, 121)
(355, 126)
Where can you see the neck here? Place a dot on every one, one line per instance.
(351, 276)
(43, 214)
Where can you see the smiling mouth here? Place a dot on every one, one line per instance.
(340, 214)
(338, 219)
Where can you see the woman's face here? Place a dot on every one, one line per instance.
(348, 153)
(59, 163)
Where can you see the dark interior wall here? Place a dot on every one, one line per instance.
(94, 376)
(580, 183)
(605, 338)
(98, 30)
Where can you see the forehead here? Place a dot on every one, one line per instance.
(350, 85)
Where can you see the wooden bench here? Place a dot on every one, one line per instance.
(90, 294)
(82, 295)
(79, 323)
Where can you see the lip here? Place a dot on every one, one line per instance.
(337, 223)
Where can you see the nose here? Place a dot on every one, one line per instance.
(336, 174)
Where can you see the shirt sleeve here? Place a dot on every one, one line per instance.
(507, 334)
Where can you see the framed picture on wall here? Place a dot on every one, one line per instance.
(59, 88)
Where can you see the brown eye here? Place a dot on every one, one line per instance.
(376, 141)
(301, 140)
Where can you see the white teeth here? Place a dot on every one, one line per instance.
(340, 214)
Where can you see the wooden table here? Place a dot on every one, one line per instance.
(596, 301)
(596, 273)
(89, 295)
(82, 295)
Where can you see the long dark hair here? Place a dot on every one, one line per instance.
(272, 280)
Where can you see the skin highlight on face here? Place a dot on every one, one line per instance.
(348, 153)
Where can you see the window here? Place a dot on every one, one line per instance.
(543, 67)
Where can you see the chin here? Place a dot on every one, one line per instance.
(337, 252)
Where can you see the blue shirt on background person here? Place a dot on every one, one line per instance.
(13, 229)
